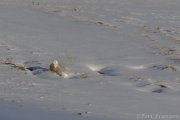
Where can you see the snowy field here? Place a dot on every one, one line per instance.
(122, 58)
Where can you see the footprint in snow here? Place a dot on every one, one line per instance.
(37, 70)
(147, 85)
(165, 67)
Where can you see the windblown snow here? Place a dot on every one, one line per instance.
(121, 59)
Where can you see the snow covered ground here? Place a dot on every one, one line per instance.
(122, 58)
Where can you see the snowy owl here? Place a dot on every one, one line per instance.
(56, 67)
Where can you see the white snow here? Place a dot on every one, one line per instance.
(121, 58)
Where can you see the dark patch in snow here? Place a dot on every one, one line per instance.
(37, 70)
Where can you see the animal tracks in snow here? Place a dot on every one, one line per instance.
(140, 83)
(148, 85)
